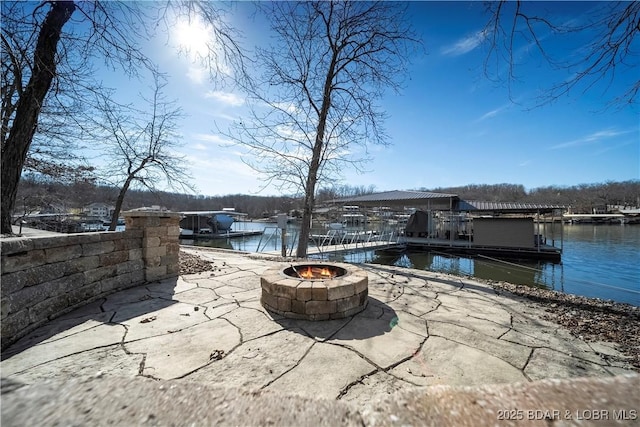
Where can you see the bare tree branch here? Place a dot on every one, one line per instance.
(606, 39)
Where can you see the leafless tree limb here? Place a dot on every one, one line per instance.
(608, 39)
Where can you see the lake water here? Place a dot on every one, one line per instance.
(601, 261)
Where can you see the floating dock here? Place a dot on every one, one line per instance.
(224, 235)
(457, 247)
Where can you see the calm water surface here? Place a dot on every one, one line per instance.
(601, 261)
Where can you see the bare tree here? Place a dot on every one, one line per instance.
(49, 52)
(27, 107)
(314, 108)
(140, 145)
(605, 43)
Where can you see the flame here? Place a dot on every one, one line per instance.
(307, 273)
(315, 273)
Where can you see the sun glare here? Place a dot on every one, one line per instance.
(192, 37)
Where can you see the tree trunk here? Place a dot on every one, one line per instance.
(310, 187)
(119, 201)
(305, 225)
(16, 147)
(312, 177)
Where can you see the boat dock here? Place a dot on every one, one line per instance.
(543, 252)
(335, 242)
(594, 218)
(223, 235)
(459, 247)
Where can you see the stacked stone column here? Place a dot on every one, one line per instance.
(160, 242)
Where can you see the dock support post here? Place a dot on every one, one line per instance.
(282, 225)
(284, 242)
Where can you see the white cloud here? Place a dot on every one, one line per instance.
(465, 45)
(490, 114)
(224, 116)
(590, 139)
(493, 113)
(227, 98)
(211, 137)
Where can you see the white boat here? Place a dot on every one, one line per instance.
(185, 232)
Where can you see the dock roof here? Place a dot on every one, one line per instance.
(505, 207)
(397, 197)
(445, 201)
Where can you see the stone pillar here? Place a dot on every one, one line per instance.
(160, 244)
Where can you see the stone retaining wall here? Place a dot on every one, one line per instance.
(44, 277)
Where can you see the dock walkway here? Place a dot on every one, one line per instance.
(346, 247)
(222, 235)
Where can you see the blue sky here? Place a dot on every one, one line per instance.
(450, 126)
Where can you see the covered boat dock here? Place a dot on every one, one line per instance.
(212, 225)
(444, 222)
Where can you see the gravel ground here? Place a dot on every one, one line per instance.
(191, 264)
(591, 319)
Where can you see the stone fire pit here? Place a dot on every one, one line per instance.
(315, 290)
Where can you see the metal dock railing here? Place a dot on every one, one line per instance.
(334, 241)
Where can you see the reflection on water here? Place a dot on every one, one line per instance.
(600, 261)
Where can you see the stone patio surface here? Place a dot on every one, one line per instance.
(419, 329)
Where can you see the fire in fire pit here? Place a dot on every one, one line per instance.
(315, 291)
(311, 272)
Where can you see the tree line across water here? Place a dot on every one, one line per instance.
(39, 195)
